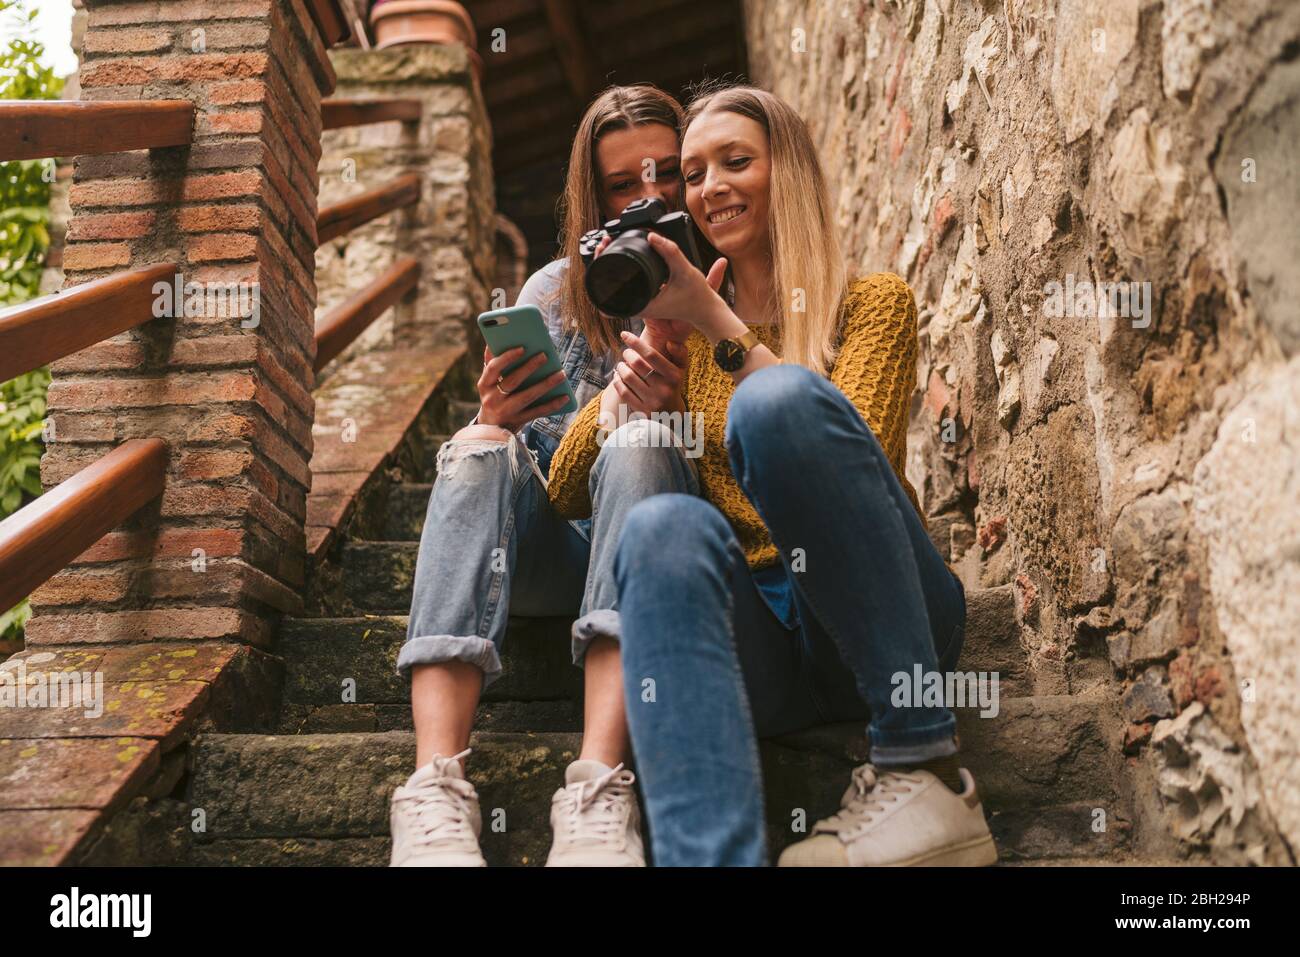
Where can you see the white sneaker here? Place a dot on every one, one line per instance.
(595, 819)
(435, 818)
(899, 819)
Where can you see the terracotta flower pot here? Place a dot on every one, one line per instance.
(396, 22)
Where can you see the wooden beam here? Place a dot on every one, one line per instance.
(32, 129)
(346, 216)
(331, 23)
(336, 114)
(579, 60)
(339, 327)
(42, 330)
(43, 536)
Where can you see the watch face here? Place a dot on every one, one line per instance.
(729, 355)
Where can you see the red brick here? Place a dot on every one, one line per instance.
(215, 351)
(221, 427)
(221, 246)
(153, 11)
(231, 36)
(115, 192)
(211, 219)
(247, 121)
(101, 357)
(96, 255)
(111, 226)
(183, 499)
(171, 390)
(138, 71)
(186, 624)
(127, 41)
(993, 533)
(80, 587)
(215, 463)
(240, 91)
(221, 186)
(165, 543)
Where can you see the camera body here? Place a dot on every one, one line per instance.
(628, 274)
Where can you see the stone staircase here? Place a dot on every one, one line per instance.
(316, 790)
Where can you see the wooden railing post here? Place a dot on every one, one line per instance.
(223, 375)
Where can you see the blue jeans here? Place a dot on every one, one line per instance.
(492, 545)
(709, 667)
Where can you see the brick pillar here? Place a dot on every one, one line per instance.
(221, 553)
(452, 230)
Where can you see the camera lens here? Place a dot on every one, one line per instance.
(623, 279)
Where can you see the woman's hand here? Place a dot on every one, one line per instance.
(512, 412)
(688, 295)
(646, 381)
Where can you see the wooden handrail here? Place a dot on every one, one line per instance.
(336, 114)
(49, 328)
(334, 221)
(41, 538)
(330, 21)
(339, 327)
(31, 129)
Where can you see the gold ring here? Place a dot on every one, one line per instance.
(500, 379)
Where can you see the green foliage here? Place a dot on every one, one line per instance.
(24, 241)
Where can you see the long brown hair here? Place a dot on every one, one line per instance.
(617, 108)
(807, 265)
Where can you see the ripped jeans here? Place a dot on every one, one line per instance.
(492, 545)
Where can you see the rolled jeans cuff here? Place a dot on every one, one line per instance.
(435, 649)
(915, 746)
(603, 622)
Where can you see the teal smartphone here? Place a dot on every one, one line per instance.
(506, 329)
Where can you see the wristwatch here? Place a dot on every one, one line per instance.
(730, 354)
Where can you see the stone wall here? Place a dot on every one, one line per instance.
(1136, 476)
(452, 231)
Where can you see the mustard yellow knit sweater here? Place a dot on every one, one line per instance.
(875, 368)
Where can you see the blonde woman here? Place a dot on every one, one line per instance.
(802, 582)
(490, 498)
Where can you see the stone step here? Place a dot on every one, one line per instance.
(326, 658)
(408, 502)
(1045, 766)
(320, 654)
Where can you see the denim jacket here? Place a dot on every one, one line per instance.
(588, 374)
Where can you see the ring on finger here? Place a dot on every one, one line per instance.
(501, 379)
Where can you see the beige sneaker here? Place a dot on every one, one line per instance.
(595, 819)
(899, 819)
(435, 818)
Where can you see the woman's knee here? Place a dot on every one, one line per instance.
(476, 454)
(777, 398)
(664, 534)
(636, 446)
(481, 431)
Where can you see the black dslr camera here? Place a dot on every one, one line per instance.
(628, 274)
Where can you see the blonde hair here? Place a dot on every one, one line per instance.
(805, 242)
(617, 108)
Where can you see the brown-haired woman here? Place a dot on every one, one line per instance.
(492, 542)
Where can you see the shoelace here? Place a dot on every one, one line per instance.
(440, 809)
(594, 812)
(869, 793)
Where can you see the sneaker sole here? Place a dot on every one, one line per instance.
(980, 852)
